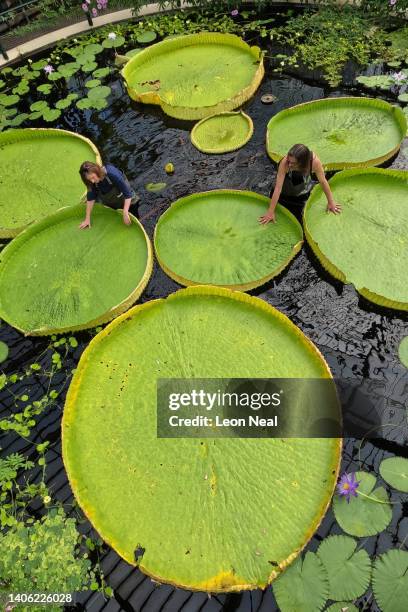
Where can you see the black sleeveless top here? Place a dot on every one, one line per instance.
(296, 183)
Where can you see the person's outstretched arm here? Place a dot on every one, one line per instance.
(126, 206)
(87, 220)
(318, 169)
(280, 177)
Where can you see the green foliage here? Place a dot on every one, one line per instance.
(3, 351)
(303, 587)
(348, 570)
(328, 38)
(44, 558)
(367, 514)
(390, 580)
(394, 471)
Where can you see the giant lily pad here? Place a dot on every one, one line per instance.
(196, 75)
(222, 133)
(367, 244)
(55, 277)
(215, 238)
(344, 132)
(44, 163)
(238, 511)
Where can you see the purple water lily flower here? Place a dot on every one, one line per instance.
(392, 2)
(48, 69)
(235, 12)
(94, 12)
(399, 76)
(348, 485)
(85, 7)
(99, 6)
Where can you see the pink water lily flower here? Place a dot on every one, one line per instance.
(399, 76)
(94, 12)
(392, 2)
(234, 13)
(84, 7)
(48, 69)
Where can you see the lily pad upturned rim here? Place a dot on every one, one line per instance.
(115, 310)
(196, 142)
(327, 102)
(324, 259)
(17, 134)
(75, 386)
(242, 287)
(189, 113)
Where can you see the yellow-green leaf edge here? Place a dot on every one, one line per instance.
(248, 137)
(223, 583)
(112, 312)
(246, 286)
(329, 103)
(14, 135)
(192, 114)
(380, 300)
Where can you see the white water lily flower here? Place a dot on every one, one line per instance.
(112, 35)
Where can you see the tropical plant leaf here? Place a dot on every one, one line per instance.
(366, 244)
(303, 587)
(342, 606)
(195, 332)
(196, 75)
(348, 571)
(222, 133)
(390, 580)
(155, 186)
(403, 351)
(45, 163)
(225, 243)
(67, 289)
(363, 517)
(344, 132)
(146, 37)
(3, 351)
(394, 471)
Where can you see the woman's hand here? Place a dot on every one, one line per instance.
(85, 224)
(126, 218)
(270, 216)
(333, 207)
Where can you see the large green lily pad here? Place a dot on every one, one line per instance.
(215, 238)
(55, 277)
(208, 514)
(344, 132)
(367, 244)
(195, 76)
(222, 133)
(39, 174)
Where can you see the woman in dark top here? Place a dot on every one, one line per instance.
(108, 185)
(294, 181)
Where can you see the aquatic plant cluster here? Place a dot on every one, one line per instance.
(76, 76)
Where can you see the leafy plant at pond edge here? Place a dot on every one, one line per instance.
(43, 558)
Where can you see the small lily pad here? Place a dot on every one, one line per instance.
(390, 580)
(403, 97)
(45, 88)
(89, 67)
(6, 100)
(303, 587)
(361, 516)
(51, 114)
(133, 52)
(3, 351)
(99, 92)
(100, 73)
(113, 43)
(155, 186)
(146, 37)
(40, 105)
(92, 83)
(63, 103)
(394, 471)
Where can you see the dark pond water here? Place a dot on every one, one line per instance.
(357, 339)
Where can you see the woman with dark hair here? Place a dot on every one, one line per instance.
(294, 181)
(108, 185)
